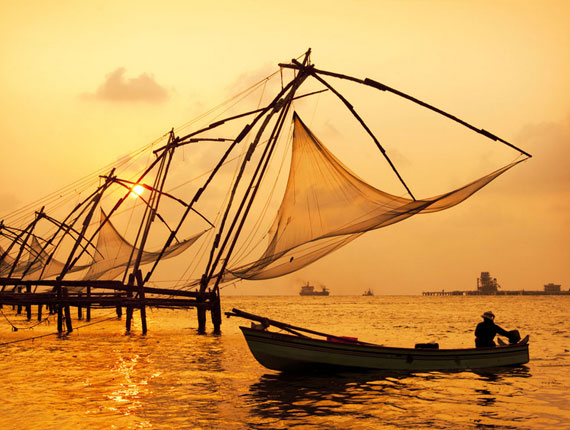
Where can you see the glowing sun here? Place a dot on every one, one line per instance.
(137, 190)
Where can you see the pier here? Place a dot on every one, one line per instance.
(487, 286)
(60, 296)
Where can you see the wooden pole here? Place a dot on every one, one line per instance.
(216, 311)
(79, 309)
(118, 309)
(201, 319)
(28, 307)
(88, 306)
(19, 307)
(201, 310)
(67, 313)
(59, 311)
(382, 87)
(129, 308)
(139, 279)
(39, 312)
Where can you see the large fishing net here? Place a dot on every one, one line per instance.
(326, 206)
(113, 253)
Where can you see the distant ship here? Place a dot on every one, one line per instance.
(368, 292)
(309, 290)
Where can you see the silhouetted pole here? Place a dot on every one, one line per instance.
(216, 311)
(79, 308)
(88, 306)
(67, 313)
(129, 308)
(59, 311)
(139, 279)
(28, 307)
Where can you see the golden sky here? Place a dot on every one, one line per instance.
(84, 83)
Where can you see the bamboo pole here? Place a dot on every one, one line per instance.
(267, 322)
(28, 307)
(80, 309)
(59, 311)
(88, 306)
(138, 277)
(67, 313)
(129, 309)
(216, 311)
(382, 87)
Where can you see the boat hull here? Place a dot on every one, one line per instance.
(284, 352)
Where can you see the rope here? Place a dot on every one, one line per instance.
(55, 333)
(14, 328)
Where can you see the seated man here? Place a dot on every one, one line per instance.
(487, 330)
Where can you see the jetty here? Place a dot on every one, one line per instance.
(488, 286)
(61, 296)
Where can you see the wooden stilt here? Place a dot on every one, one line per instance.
(201, 320)
(118, 309)
(28, 307)
(128, 308)
(138, 276)
(201, 310)
(67, 313)
(59, 311)
(129, 319)
(216, 312)
(19, 308)
(79, 309)
(62, 297)
(88, 307)
(143, 319)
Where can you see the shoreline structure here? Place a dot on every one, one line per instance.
(487, 286)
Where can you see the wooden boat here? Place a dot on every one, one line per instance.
(298, 352)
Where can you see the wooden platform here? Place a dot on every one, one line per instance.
(59, 296)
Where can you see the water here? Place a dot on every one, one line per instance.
(174, 379)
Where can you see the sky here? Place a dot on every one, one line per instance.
(84, 83)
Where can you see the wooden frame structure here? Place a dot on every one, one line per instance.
(131, 292)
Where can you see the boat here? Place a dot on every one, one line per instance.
(309, 290)
(368, 292)
(297, 352)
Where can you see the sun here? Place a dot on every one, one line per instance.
(137, 191)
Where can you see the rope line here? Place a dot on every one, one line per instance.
(56, 333)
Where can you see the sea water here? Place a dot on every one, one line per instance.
(99, 378)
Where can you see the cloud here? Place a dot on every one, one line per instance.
(118, 88)
(251, 77)
(548, 170)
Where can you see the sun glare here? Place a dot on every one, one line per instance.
(137, 191)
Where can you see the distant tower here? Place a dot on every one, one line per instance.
(552, 288)
(486, 285)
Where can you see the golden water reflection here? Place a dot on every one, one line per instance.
(386, 399)
(173, 379)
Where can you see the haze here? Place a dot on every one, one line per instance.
(84, 83)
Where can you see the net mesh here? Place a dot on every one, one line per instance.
(326, 206)
(114, 252)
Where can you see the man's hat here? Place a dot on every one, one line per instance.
(489, 315)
